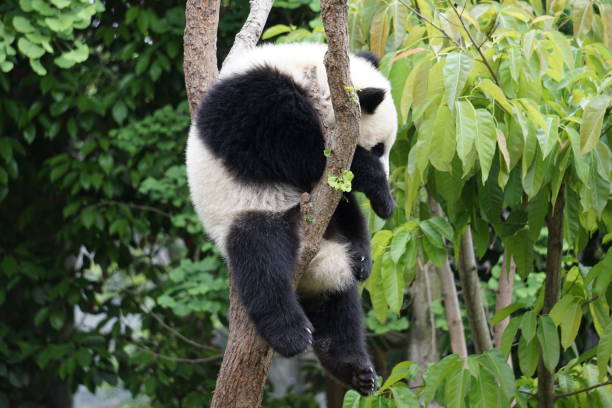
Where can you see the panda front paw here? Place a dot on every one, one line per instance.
(361, 265)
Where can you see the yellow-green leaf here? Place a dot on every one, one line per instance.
(443, 139)
(592, 119)
(493, 91)
(456, 71)
(379, 32)
(485, 141)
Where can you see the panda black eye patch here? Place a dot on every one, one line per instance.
(378, 149)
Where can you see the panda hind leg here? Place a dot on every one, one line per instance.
(339, 339)
(262, 249)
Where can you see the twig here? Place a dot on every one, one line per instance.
(532, 394)
(422, 17)
(587, 389)
(177, 333)
(178, 359)
(484, 60)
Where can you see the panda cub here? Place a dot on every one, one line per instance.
(254, 147)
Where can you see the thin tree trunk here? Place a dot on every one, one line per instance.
(552, 285)
(451, 300)
(504, 296)
(247, 357)
(200, 48)
(470, 283)
(423, 348)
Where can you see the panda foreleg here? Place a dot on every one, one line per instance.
(340, 338)
(348, 220)
(371, 179)
(262, 248)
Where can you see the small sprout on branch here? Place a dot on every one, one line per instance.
(310, 219)
(327, 152)
(342, 182)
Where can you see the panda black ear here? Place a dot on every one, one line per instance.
(370, 98)
(370, 57)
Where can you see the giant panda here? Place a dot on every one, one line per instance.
(254, 146)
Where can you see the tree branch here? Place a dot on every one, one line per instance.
(587, 389)
(472, 296)
(452, 309)
(484, 60)
(250, 32)
(503, 297)
(178, 359)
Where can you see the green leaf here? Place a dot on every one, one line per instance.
(398, 244)
(501, 314)
(57, 319)
(508, 336)
(497, 363)
(29, 49)
(275, 30)
(484, 392)
(119, 112)
(493, 91)
(455, 390)
(391, 284)
(549, 343)
(592, 119)
(22, 24)
(402, 370)
(486, 139)
(443, 138)
(380, 241)
(456, 71)
(604, 352)
(437, 373)
(465, 131)
(528, 325)
(351, 399)
(567, 313)
(375, 288)
(404, 397)
(528, 354)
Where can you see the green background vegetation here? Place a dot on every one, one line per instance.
(95, 214)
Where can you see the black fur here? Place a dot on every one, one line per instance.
(370, 57)
(370, 98)
(264, 127)
(339, 339)
(370, 178)
(262, 249)
(349, 221)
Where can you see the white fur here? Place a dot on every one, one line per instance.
(218, 197)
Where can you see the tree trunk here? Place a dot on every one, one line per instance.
(200, 48)
(423, 348)
(470, 283)
(552, 285)
(504, 296)
(452, 309)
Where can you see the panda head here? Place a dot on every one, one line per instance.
(378, 125)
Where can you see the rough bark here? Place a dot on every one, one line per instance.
(451, 300)
(470, 284)
(247, 357)
(200, 48)
(503, 297)
(250, 32)
(423, 348)
(552, 285)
